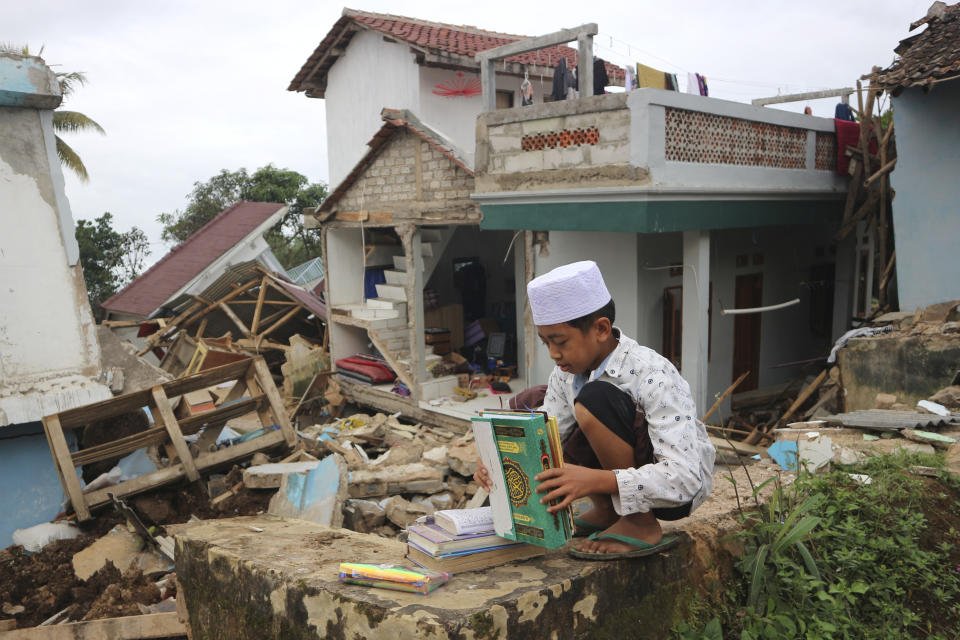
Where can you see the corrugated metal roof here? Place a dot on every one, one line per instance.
(886, 420)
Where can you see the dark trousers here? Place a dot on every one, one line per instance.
(616, 410)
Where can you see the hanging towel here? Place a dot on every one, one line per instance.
(693, 84)
(704, 91)
(650, 77)
(628, 78)
(559, 90)
(676, 82)
(848, 133)
(600, 77)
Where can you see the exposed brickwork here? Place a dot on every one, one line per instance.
(563, 138)
(392, 176)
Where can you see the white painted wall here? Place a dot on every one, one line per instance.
(616, 255)
(48, 345)
(371, 75)
(375, 74)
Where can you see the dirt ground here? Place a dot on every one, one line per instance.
(44, 582)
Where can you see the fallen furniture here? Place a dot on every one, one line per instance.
(253, 391)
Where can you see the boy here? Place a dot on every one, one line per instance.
(632, 437)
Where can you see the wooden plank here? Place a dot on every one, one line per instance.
(740, 448)
(230, 314)
(150, 625)
(804, 395)
(879, 173)
(222, 413)
(112, 407)
(176, 436)
(227, 298)
(276, 402)
(237, 391)
(119, 446)
(63, 460)
(724, 395)
(170, 474)
(208, 378)
(255, 323)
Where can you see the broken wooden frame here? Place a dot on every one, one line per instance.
(274, 305)
(253, 391)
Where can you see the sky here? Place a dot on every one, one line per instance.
(187, 88)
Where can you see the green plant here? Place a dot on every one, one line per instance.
(828, 557)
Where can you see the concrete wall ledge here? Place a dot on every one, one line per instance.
(591, 104)
(261, 577)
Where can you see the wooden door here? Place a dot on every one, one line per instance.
(746, 330)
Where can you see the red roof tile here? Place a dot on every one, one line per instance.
(460, 40)
(146, 293)
(928, 57)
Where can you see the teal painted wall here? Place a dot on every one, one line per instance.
(926, 210)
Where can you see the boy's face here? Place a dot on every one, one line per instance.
(574, 350)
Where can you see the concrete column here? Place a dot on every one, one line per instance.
(696, 302)
(488, 84)
(585, 65)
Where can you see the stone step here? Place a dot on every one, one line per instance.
(395, 277)
(437, 387)
(373, 313)
(391, 292)
(387, 323)
(400, 263)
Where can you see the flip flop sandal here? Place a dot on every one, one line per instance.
(583, 528)
(643, 548)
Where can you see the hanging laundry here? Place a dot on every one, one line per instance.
(670, 82)
(628, 78)
(702, 85)
(843, 112)
(676, 82)
(650, 77)
(600, 77)
(848, 133)
(559, 90)
(573, 84)
(693, 84)
(526, 90)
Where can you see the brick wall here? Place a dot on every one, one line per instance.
(391, 179)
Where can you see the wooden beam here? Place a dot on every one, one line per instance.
(882, 171)
(276, 402)
(227, 298)
(230, 314)
(723, 396)
(540, 42)
(150, 625)
(804, 395)
(256, 312)
(276, 325)
(64, 461)
(170, 423)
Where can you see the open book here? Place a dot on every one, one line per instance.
(465, 521)
(515, 447)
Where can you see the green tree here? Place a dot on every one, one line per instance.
(110, 259)
(64, 121)
(291, 243)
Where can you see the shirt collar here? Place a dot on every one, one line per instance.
(612, 364)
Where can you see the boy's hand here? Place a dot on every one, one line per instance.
(571, 482)
(482, 476)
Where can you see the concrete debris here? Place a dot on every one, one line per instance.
(885, 401)
(123, 549)
(436, 455)
(270, 476)
(462, 457)
(934, 408)
(389, 481)
(952, 460)
(364, 516)
(316, 495)
(402, 512)
(948, 397)
(936, 440)
(402, 453)
(815, 453)
(12, 610)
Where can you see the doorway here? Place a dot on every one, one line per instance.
(746, 330)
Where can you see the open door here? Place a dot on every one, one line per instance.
(746, 330)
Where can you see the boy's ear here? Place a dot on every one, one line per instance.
(603, 328)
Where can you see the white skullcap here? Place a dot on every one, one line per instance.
(567, 293)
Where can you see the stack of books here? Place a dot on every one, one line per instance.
(392, 576)
(458, 540)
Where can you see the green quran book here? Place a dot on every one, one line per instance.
(515, 447)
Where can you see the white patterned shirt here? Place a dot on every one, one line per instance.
(683, 471)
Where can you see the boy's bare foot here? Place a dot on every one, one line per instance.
(602, 513)
(641, 526)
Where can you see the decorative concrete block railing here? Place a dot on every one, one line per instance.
(656, 139)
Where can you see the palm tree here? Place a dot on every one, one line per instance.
(64, 121)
